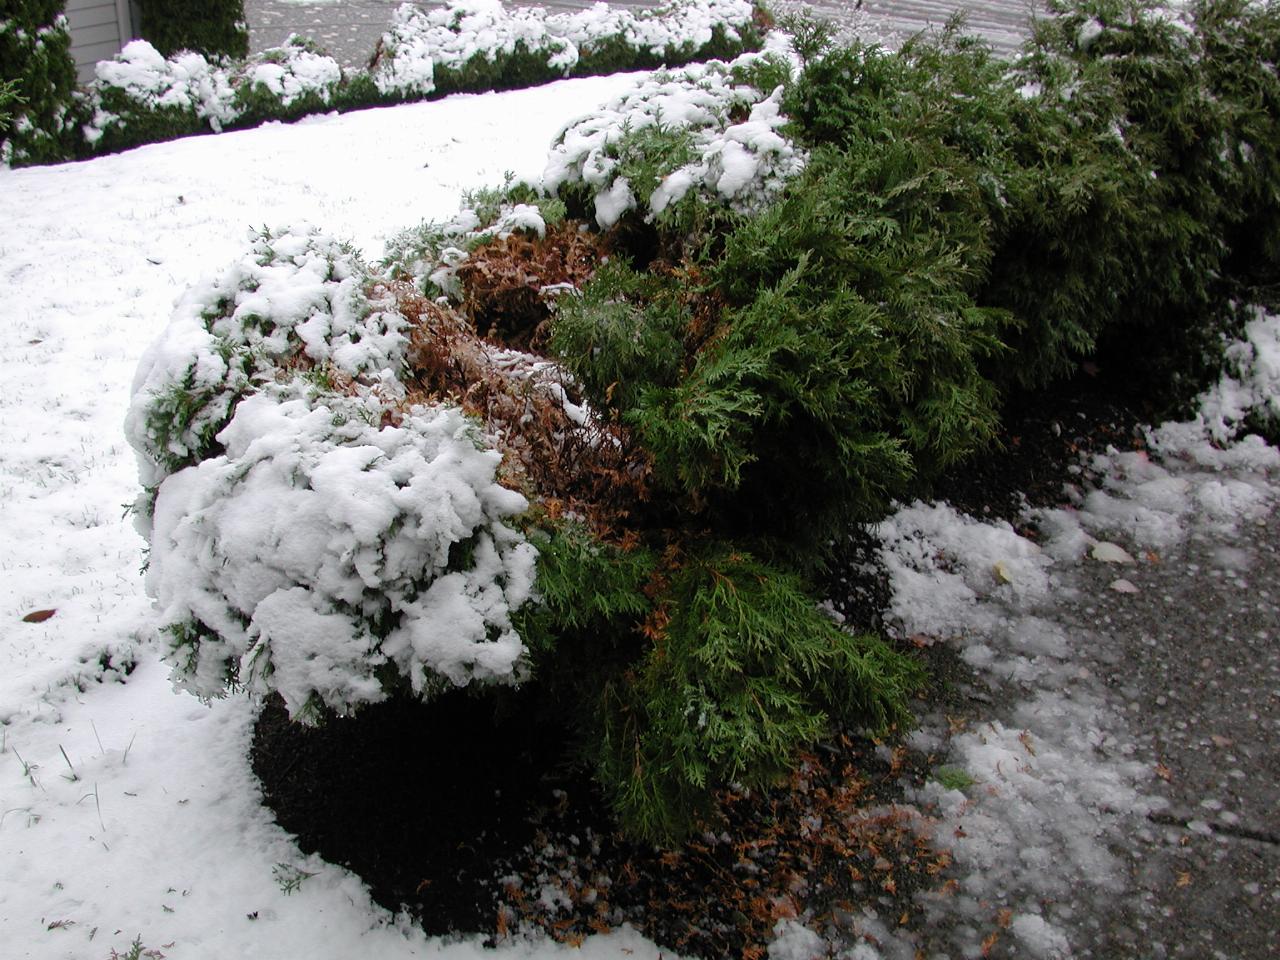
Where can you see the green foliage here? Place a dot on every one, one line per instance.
(290, 878)
(648, 154)
(588, 588)
(766, 73)
(744, 669)
(624, 334)
(134, 124)
(521, 67)
(211, 27)
(38, 81)
(1111, 181)
(9, 98)
(1135, 125)
(953, 778)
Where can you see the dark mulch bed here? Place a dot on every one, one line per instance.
(475, 825)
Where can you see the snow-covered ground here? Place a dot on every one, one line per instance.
(128, 812)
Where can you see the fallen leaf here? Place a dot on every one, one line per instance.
(1123, 586)
(1164, 773)
(1110, 553)
(38, 616)
(1220, 741)
(1004, 918)
(1025, 739)
(1001, 570)
(990, 942)
(1184, 879)
(1153, 557)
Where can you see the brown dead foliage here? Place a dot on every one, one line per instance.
(557, 454)
(504, 281)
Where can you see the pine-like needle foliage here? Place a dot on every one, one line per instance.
(37, 83)
(742, 669)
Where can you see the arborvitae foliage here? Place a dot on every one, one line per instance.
(740, 669)
(36, 64)
(9, 98)
(212, 27)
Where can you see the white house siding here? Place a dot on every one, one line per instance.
(99, 28)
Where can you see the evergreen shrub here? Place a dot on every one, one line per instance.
(39, 76)
(742, 319)
(212, 27)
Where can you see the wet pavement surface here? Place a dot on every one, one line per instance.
(1193, 659)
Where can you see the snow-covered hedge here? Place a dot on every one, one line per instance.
(469, 44)
(141, 96)
(312, 532)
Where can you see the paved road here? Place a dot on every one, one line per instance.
(349, 29)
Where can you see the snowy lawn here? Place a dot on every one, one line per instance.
(151, 825)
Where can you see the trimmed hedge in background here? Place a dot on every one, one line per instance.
(471, 46)
(212, 27)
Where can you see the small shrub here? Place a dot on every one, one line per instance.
(285, 83)
(38, 77)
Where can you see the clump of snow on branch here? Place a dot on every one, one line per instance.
(298, 298)
(1250, 387)
(321, 547)
(149, 82)
(744, 164)
(216, 91)
(291, 72)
